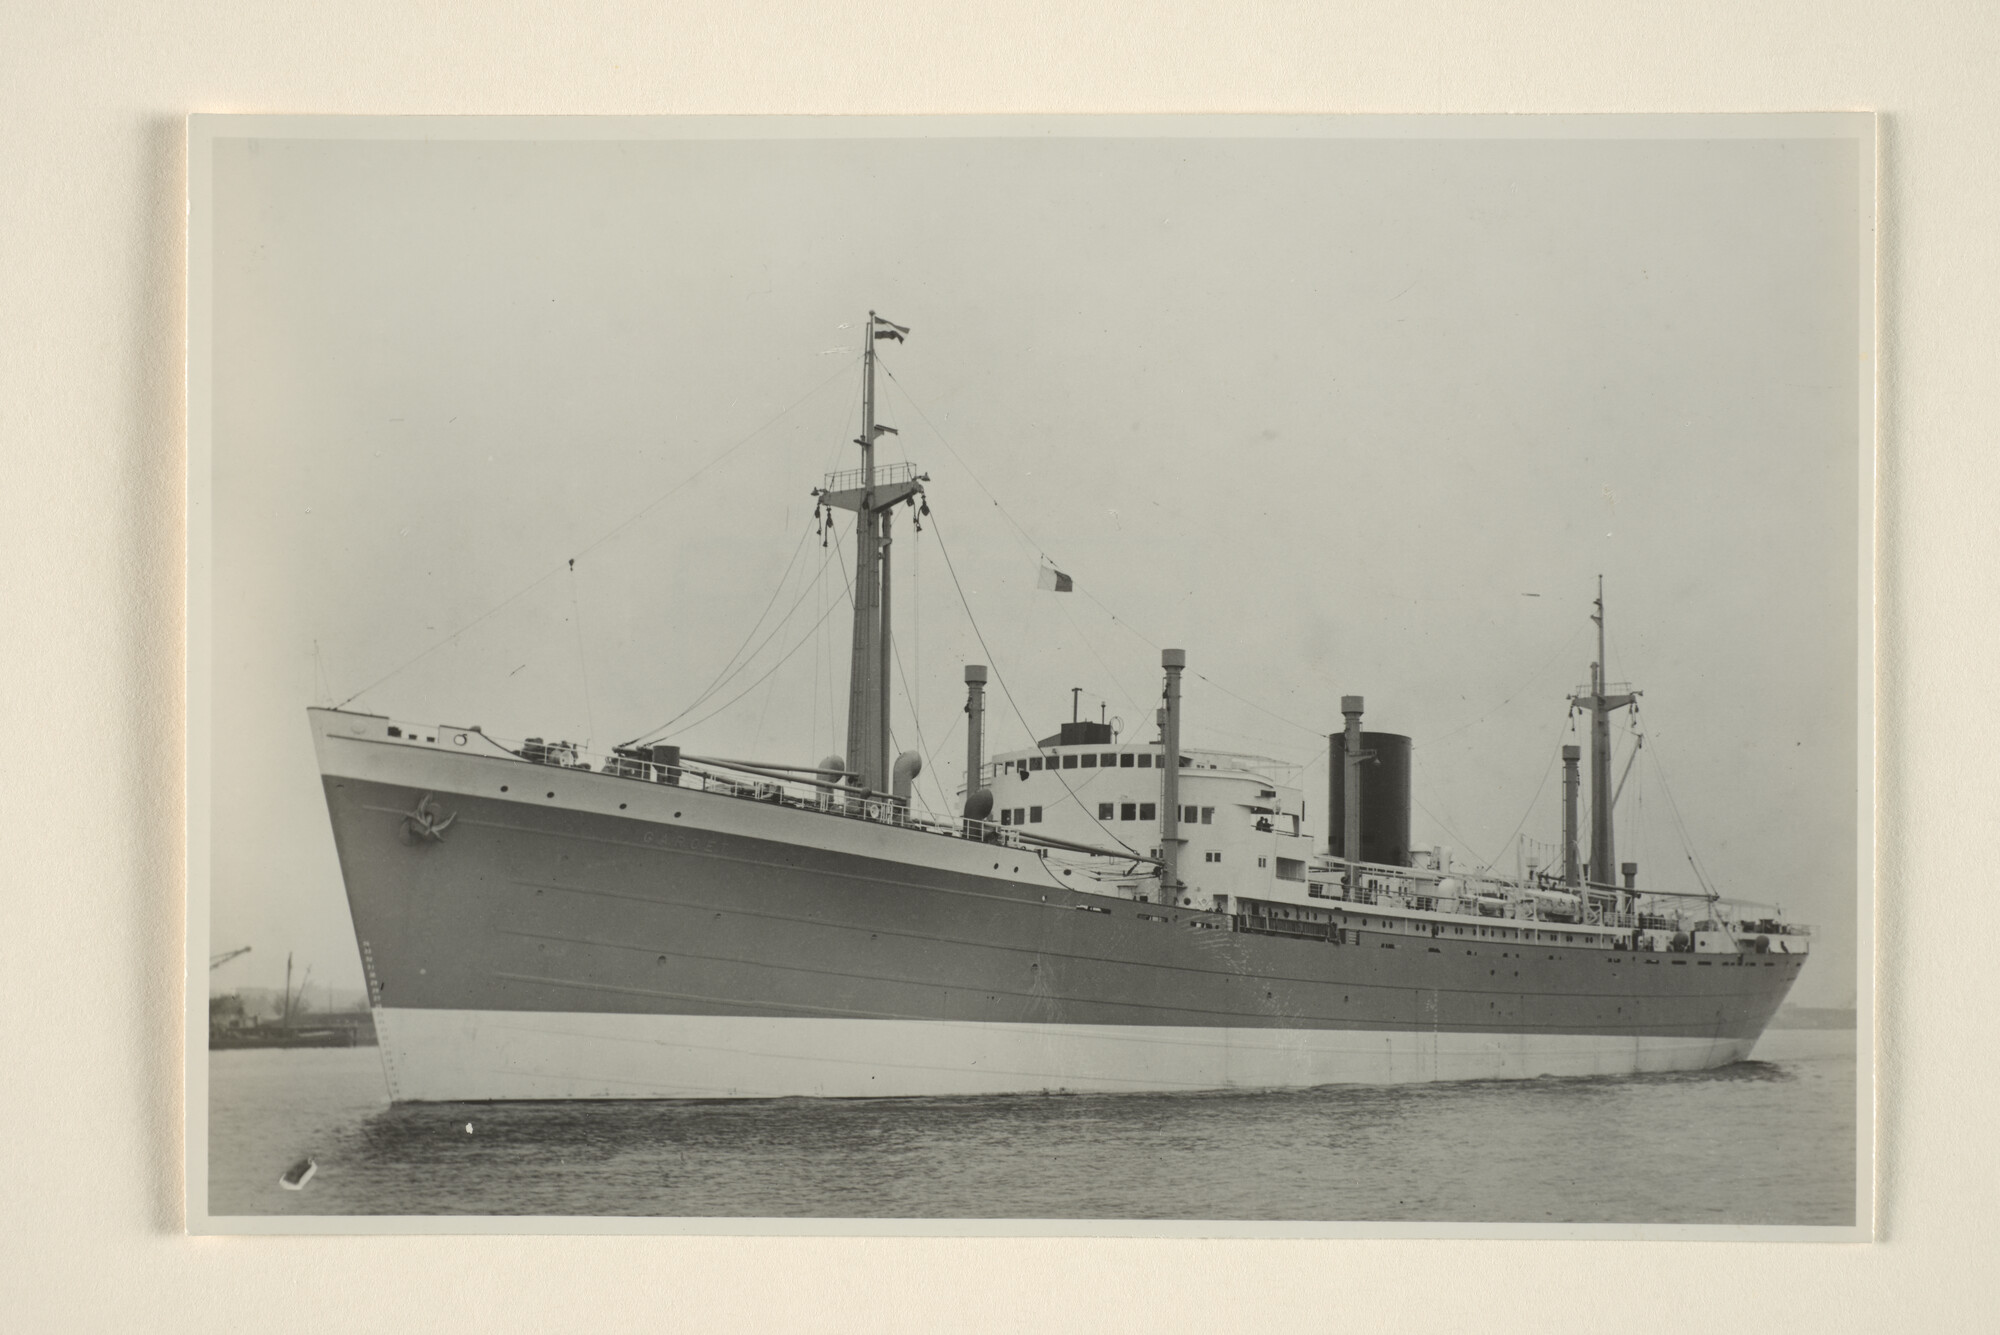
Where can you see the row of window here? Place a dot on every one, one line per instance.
(1020, 815)
(1101, 760)
(1148, 811)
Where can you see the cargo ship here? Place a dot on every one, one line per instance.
(1103, 914)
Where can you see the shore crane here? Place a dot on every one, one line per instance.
(217, 961)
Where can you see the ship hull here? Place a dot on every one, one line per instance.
(568, 934)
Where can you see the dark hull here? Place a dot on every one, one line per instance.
(551, 908)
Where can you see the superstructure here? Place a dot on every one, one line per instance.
(1102, 913)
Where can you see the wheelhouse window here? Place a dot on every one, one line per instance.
(1125, 760)
(1109, 760)
(1069, 761)
(1147, 811)
(1128, 811)
(1104, 811)
(1034, 815)
(1034, 762)
(1208, 815)
(1145, 760)
(1090, 760)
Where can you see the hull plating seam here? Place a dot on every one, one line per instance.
(989, 988)
(868, 878)
(1216, 941)
(526, 911)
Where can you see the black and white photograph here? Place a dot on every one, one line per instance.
(1255, 675)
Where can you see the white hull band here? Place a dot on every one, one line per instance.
(450, 1055)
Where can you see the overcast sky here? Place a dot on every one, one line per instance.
(1334, 415)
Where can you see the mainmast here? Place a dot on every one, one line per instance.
(1603, 867)
(871, 493)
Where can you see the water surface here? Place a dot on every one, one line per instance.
(1765, 1141)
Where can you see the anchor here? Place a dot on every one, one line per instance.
(427, 821)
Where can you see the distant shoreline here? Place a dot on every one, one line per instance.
(1813, 1017)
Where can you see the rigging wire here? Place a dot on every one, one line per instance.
(757, 737)
(1569, 725)
(824, 650)
(1310, 732)
(796, 646)
(1532, 678)
(828, 661)
(1687, 843)
(582, 663)
(910, 399)
(923, 748)
(607, 536)
(819, 644)
(1463, 842)
(1641, 822)
(744, 665)
(1130, 699)
(945, 552)
(508, 601)
(1036, 548)
(723, 675)
(320, 688)
(944, 794)
(1130, 629)
(896, 652)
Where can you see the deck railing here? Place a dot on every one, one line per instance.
(886, 475)
(801, 795)
(1474, 895)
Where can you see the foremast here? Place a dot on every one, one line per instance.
(872, 495)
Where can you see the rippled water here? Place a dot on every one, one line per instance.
(1766, 1141)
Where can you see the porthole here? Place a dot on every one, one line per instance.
(503, 787)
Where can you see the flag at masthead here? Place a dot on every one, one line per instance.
(872, 494)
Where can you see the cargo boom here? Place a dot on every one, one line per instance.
(536, 923)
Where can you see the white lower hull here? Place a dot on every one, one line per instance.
(439, 1055)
